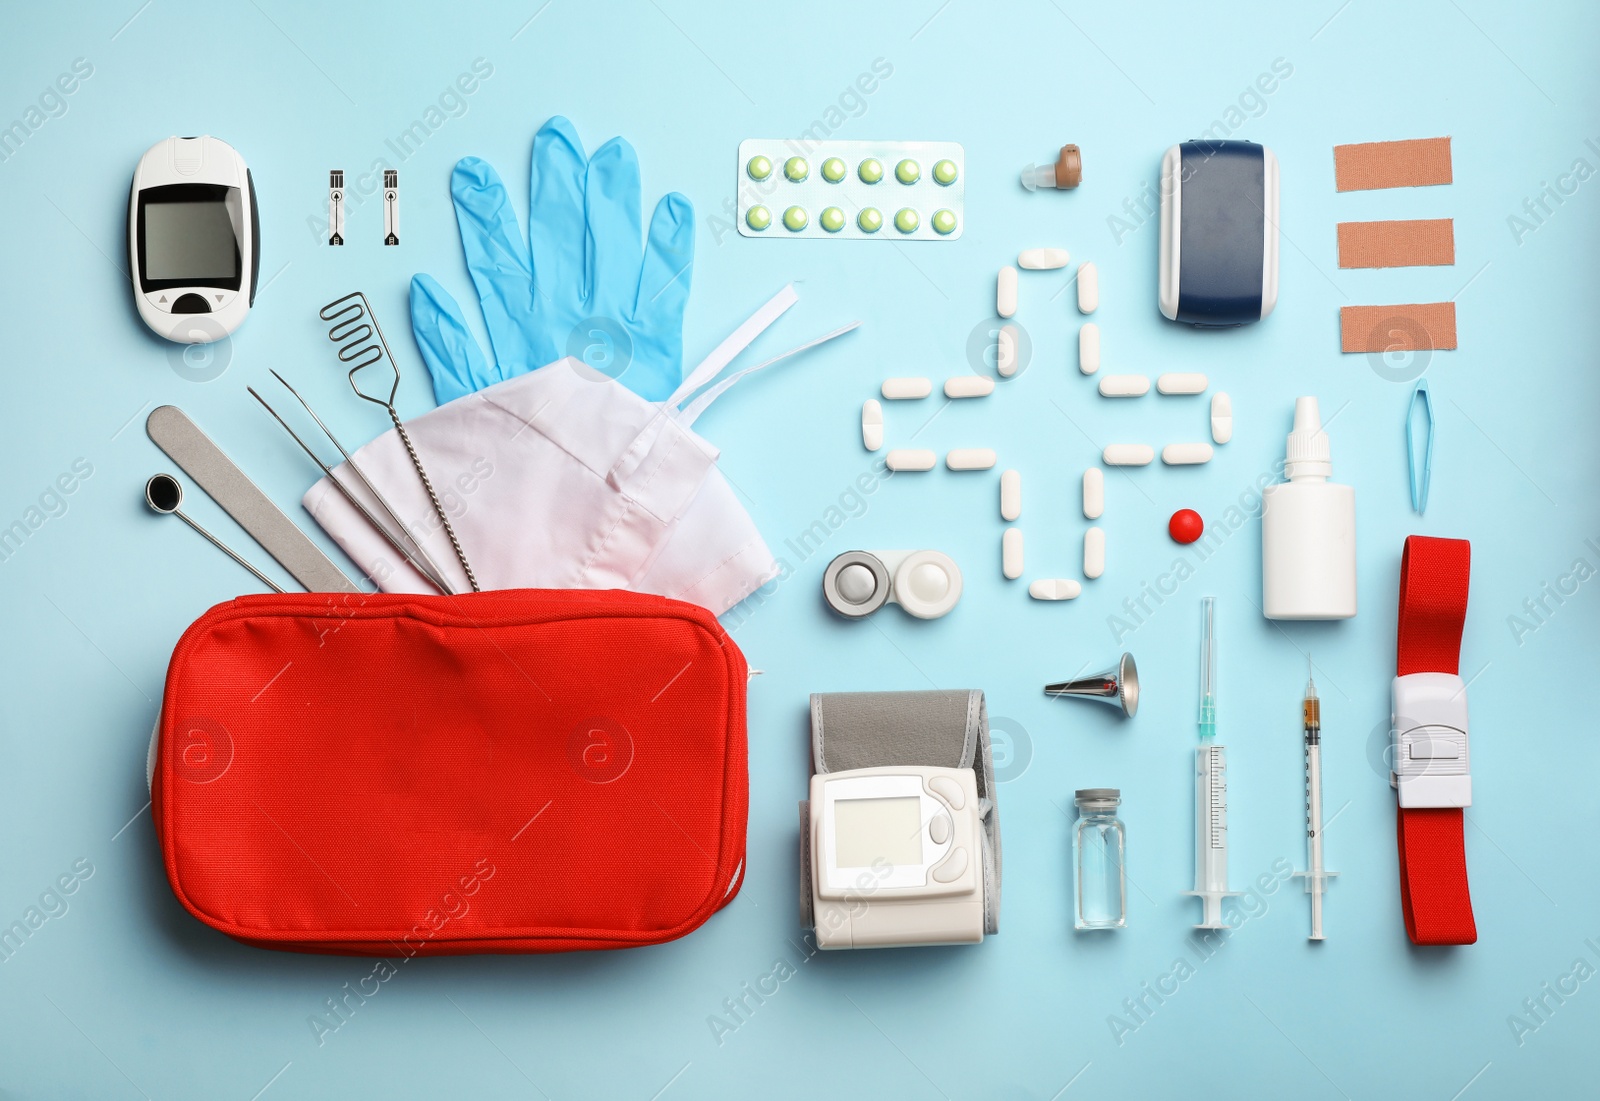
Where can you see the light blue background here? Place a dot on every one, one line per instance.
(126, 995)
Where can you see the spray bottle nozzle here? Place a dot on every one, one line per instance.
(1307, 455)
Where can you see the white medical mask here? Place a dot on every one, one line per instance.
(564, 478)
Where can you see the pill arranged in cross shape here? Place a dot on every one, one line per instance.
(1186, 454)
(1182, 382)
(1094, 552)
(970, 458)
(872, 424)
(1011, 553)
(1043, 259)
(1054, 588)
(968, 386)
(1089, 348)
(1221, 418)
(909, 459)
(906, 389)
(1128, 454)
(1005, 354)
(1124, 386)
(1011, 495)
(1094, 493)
(1088, 287)
(1005, 293)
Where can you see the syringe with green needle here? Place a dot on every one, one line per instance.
(1316, 877)
(1211, 787)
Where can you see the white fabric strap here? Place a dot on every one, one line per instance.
(737, 341)
(693, 410)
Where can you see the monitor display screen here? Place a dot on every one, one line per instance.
(869, 831)
(190, 242)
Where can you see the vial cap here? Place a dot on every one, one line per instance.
(1098, 798)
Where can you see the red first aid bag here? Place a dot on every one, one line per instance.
(518, 771)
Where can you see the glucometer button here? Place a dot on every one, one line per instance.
(948, 790)
(191, 303)
(952, 868)
(939, 829)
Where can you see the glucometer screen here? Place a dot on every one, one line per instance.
(189, 236)
(869, 831)
(189, 240)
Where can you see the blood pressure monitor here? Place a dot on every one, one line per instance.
(193, 231)
(896, 857)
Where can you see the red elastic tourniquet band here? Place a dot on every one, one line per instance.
(1433, 861)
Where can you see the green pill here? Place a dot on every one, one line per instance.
(870, 170)
(758, 218)
(796, 169)
(906, 221)
(759, 168)
(944, 221)
(832, 219)
(944, 172)
(869, 220)
(833, 169)
(794, 219)
(908, 171)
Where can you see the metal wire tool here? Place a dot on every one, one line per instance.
(354, 327)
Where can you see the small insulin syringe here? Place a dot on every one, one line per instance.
(1316, 876)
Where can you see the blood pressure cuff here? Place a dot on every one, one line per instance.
(922, 729)
(515, 771)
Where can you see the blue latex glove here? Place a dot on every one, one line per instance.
(579, 286)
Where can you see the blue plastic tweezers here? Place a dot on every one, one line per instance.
(1420, 457)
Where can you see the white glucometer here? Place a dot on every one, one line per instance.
(895, 857)
(193, 230)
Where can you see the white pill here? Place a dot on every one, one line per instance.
(1124, 386)
(1011, 495)
(1011, 553)
(872, 424)
(1054, 588)
(1005, 355)
(1089, 348)
(1043, 259)
(903, 389)
(1094, 552)
(1128, 454)
(1180, 382)
(1088, 287)
(1221, 417)
(1094, 493)
(1005, 295)
(910, 459)
(968, 386)
(970, 458)
(1186, 454)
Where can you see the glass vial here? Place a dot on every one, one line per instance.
(1098, 844)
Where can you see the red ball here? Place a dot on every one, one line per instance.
(1186, 526)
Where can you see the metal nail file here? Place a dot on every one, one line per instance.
(174, 433)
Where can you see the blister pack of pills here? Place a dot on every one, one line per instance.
(852, 190)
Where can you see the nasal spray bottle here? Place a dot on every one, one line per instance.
(1308, 530)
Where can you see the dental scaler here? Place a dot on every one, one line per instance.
(1210, 787)
(1315, 876)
